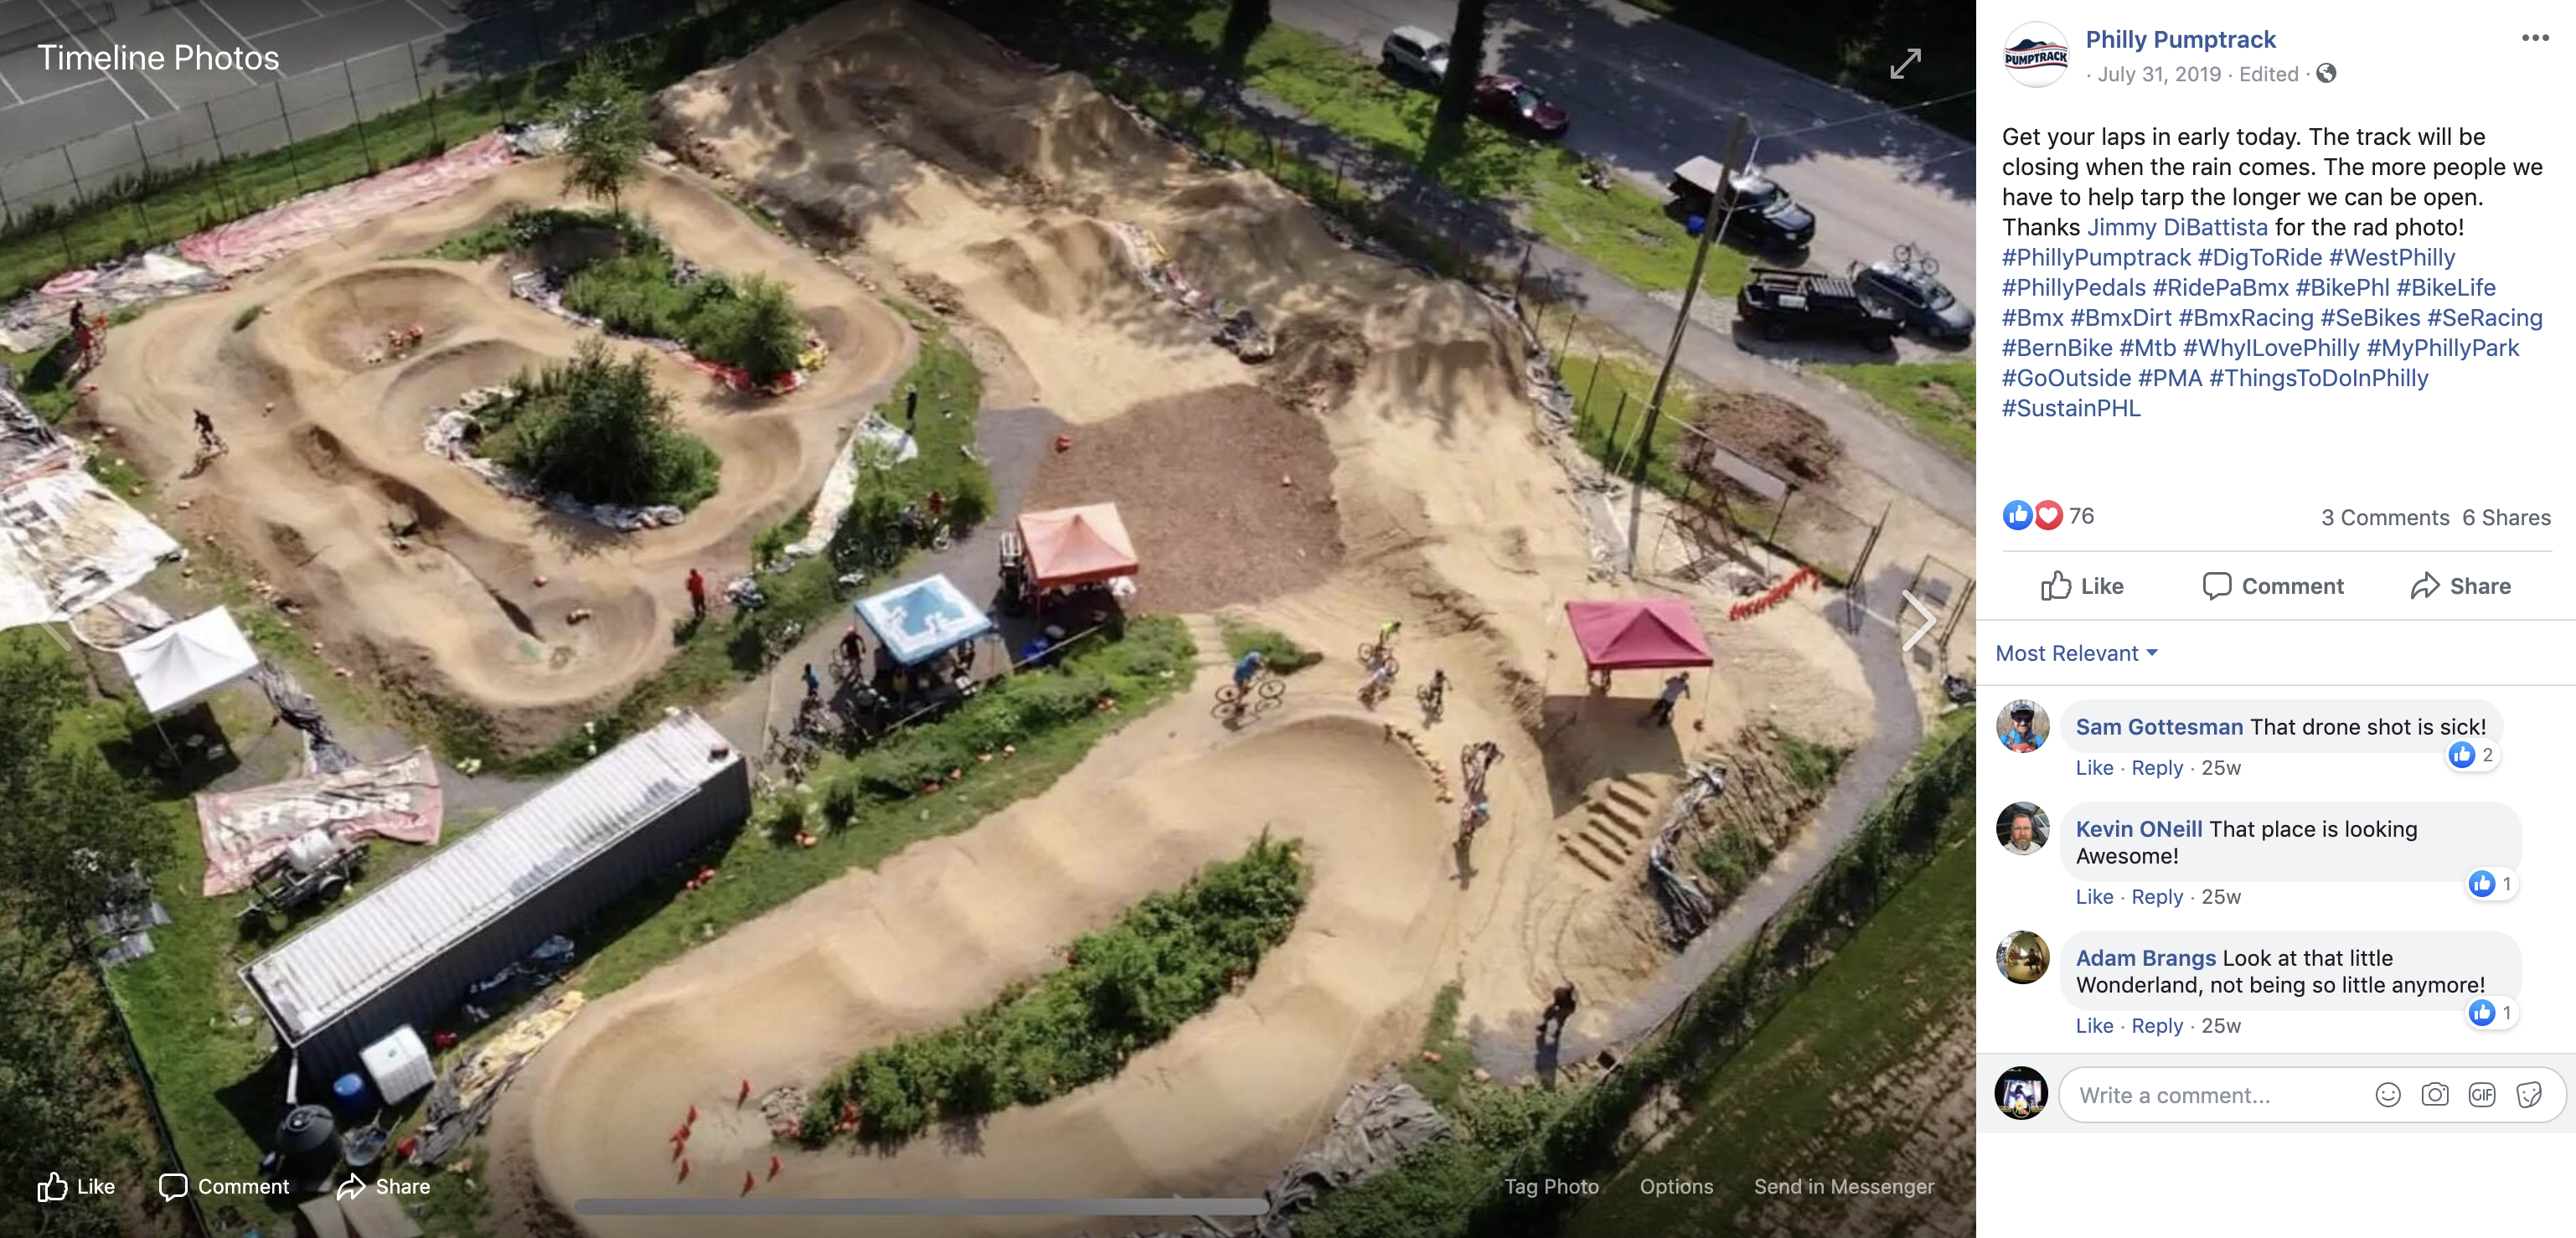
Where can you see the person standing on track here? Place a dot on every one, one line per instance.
(1560, 1007)
(1661, 712)
(853, 648)
(697, 594)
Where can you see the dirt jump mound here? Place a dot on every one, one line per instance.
(322, 375)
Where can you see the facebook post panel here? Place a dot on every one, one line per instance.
(2276, 643)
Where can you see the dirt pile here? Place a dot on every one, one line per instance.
(1772, 432)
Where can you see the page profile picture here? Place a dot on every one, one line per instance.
(2021, 1093)
(2022, 957)
(2035, 54)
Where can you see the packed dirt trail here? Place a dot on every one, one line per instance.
(1059, 224)
(942, 928)
(325, 461)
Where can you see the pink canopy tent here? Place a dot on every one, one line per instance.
(1077, 545)
(1625, 636)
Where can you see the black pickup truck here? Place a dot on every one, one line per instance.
(1781, 303)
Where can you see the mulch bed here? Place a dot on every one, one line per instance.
(1196, 478)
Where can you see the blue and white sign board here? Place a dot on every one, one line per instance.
(918, 620)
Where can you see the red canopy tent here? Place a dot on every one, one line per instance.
(1623, 636)
(1076, 545)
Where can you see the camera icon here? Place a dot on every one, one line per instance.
(2437, 1093)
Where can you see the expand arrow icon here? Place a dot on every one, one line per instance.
(1896, 72)
(1928, 620)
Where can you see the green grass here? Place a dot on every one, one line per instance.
(250, 315)
(43, 378)
(763, 868)
(1444, 1082)
(1283, 655)
(1937, 398)
(1122, 990)
(1779, 1108)
(1607, 425)
(1812, 765)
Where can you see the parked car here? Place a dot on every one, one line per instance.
(1925, 303)
(1416, 53)
(1515, 104)
(1781, 303)
(1758, 211)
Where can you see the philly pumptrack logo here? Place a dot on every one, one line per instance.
(2035, 54)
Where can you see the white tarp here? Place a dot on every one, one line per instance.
(67, 544)
(27, 445)
(881, 443)
(187, 660)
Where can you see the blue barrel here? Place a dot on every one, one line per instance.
(349, 1094)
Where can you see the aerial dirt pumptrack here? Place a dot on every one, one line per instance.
(413, 569)
(941, 929)
(1057, 224)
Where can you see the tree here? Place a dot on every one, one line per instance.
(1244, 22)
(1458, 85)
(79, 832)
(757, 329)
(606, 129)
(600, 431)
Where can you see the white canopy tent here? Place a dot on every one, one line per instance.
(187, 660)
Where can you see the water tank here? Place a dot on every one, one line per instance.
(309, 1144)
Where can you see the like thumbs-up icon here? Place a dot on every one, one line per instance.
(53, 1190)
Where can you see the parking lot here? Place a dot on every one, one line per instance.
(43, 107)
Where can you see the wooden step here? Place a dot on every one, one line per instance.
(1630, 796)
(1614, 823)
(1616, 856)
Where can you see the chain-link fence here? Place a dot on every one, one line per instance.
(1728, 501)
(250, 149)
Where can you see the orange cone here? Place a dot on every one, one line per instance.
(743, 1095)
(746, 1182)
(773, 1167)
(693, 1116)
(684, 1170)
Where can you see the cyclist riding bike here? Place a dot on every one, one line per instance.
(1247, 668)
(852, 646)
(1386, 634)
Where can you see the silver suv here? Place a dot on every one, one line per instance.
(1415, 53)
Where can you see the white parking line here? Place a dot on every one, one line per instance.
(317, 12)
(13, 91)
(433, 17)
(201, 33)
(228, 24)
(139, 113)
(301, 21)
(79, 85)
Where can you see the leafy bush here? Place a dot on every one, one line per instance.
(1284, 656)
(1124, 988)
(755, 330)
(600, 431)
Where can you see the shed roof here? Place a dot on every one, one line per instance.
(336, 966)
(1077, 545)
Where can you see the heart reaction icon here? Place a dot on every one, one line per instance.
(2048, 515)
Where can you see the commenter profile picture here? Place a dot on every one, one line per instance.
(2022, 828)
(2022, 726)
(2021, 1093)
(2022, 957)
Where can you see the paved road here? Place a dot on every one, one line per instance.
(1646, 93)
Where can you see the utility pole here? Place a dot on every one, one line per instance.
(1709, 231)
